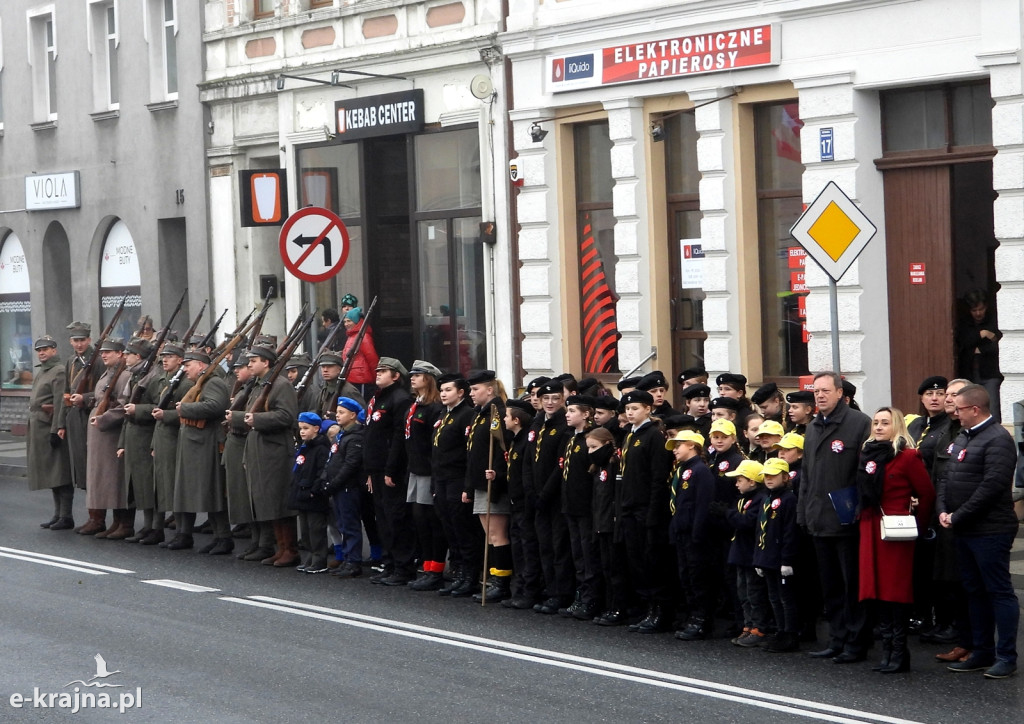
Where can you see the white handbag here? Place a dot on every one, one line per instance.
(898, 527)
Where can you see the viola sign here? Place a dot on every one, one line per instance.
(711, 52)
(53, 191)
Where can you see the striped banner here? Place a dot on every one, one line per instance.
(600, 332)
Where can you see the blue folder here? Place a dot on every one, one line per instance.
(844, 501)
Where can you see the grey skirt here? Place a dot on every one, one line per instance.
(502, 506)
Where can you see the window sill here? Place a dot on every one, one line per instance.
(158, 106)
(47, 125)
(107, 115)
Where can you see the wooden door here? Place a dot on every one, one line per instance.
(918, 229)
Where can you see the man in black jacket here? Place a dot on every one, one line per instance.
(831, 452)
(975, 501)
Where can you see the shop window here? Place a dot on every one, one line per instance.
(937, 118)
(779, 204)
(595, 225)
(120, 279)
(43, 60)
(16, 355)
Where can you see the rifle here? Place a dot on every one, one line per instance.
(105, 402)
(347, 367)
(244, 324)
(212, 334)
(147, 364)
(267, 304)
(195, 323)
(260, 405)
(193, 394)
(328, 341)
(295, 328)
(172, 385)
(85, 375)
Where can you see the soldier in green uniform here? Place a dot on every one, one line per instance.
(136, 444)
(48, 463)
(73, 419)
(239, 506)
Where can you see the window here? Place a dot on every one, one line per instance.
(103, 42)
(120, 279)
(161, 22)
(43, 59)
(937, 118)
(321, 3)
(595, 224)
(15, 316)
(779, 181)
(170, 48)
(263, 8)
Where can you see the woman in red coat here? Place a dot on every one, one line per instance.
(891, 479)
(363, 373)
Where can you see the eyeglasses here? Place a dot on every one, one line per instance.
(968, 407)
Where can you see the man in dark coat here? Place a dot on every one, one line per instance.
(831, 452)
(73, 419)
(975, 501)
(165, 436)
(136, 443)
(48, 463)
(237, 486)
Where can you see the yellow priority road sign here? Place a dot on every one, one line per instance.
(833, 231)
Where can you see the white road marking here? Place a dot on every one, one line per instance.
(79, 569)
(181, 585)
(46, 557)
(751, 697)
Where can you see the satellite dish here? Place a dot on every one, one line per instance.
(481, 86)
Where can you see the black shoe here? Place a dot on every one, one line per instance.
(498, 591)
(154, 537)
(848, 657)
(348, 570)
(205, 527)
(1000, 670)
(50, 522)
(207, 548)
(63, 524)
(316, 570)
(783, 643)
(973, 663)
(242, 530)
(826, 653)
(378, 578)
(519, 603)
(611, 618)
(180, 543)
(222, 547)
(137, 538)
(549, 607)
(585, 611)
(397, 579)
(449, 586)
(944, 635)
(467, 587)
(431, 581)
(696, 629)
(253, 547)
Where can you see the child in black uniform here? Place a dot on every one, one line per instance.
(750, 587)
(604, 467)
(305, 495)
(776, 553)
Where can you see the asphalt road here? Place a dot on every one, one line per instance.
(253, 644)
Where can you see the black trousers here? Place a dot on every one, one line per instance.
(782, 592)
(431, 539)
(527, 579)
(465, 535)
(840, 587)
(613, 572)
(555, 552)
(314, 523)
(368, 513)
(394, 522)
(648, 559)
(586, 558)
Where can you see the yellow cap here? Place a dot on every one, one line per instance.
(726, 427)
(774, 466)
(791, 440)
(685, 436)
(770, 427)
(750, 469)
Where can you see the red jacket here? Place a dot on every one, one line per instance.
(364, 367)
(887, 567)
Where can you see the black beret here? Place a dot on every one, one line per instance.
(679, 422)
(551, 387)
(763, 393)
(803, 396)
(455, 377)
(537, 382)
(523, 405)
(733, 379)
(481, 376)
(729, 403)
(641, 396)
(579, 400)
(697, 390)
(587, 384)
(564, 377)
(652, 380)
(849, 389)
(628, 382)
(691, 372)
(606, 402)
(935, 382)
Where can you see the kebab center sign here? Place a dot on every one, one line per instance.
(750, 47)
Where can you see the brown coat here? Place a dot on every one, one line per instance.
(270, 451)
(105, 487)
(47, 467)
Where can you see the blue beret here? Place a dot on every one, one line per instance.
(310, 418)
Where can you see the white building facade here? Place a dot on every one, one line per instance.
(667, 149)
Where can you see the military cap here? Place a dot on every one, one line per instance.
(733, 379)
(627, 382)
(641, 396)
(112, 344)
(678, 422)
(298, 360)
(697, 390)
(239, 359)
(422, 367)
(330, 358)
(481, 377)
(691, 372)
(764, 393)
(537, 382)
(936, 382)
(266, 340)
(605, 402)
(770, 427)
(390, 363)
(350, 300)
(849, 389)
(728, 403)
(551, 387)
(523, 405)
(259, 350)
(79, 330)
(172, 349)
(196, 339)
(651, 380)
(44, 342)
(139, 346)
(586, 400)
(685, 436)
(197, 356)
(805, 397)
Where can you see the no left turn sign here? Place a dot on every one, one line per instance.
(314, 244)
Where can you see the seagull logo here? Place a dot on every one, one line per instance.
(101, 673)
